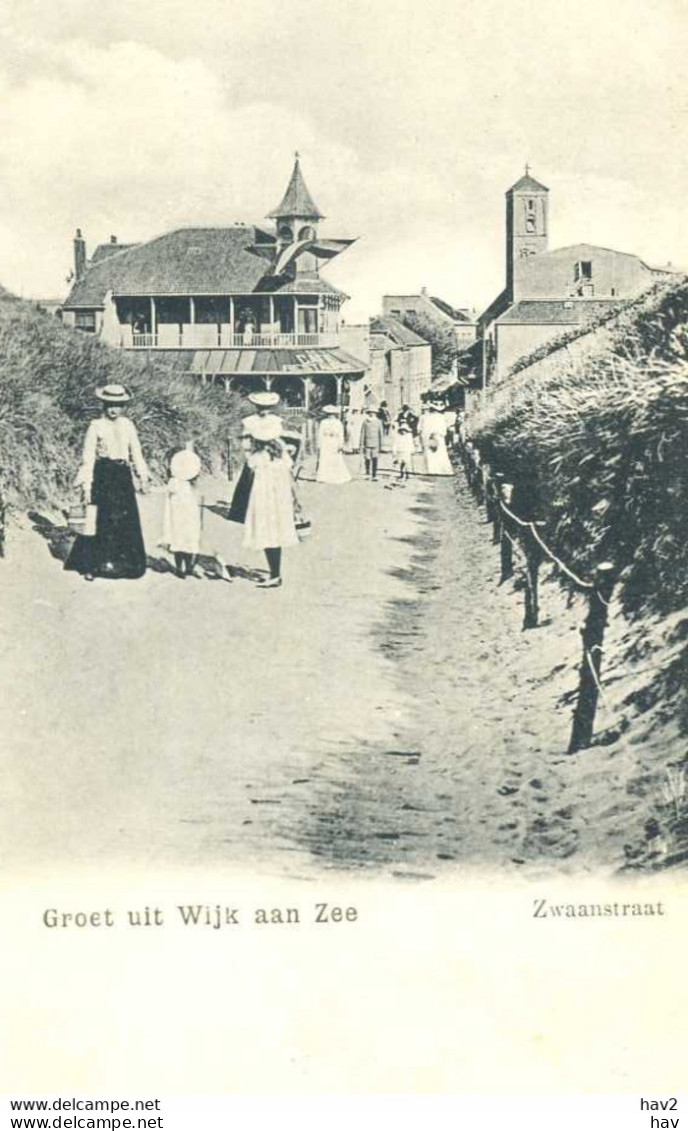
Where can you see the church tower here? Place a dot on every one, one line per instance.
(527, 227)
(296, 218)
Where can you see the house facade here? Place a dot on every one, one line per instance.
(243, 305)
(550, 292)
(462, 322)
(400, 364)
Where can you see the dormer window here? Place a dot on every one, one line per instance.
(583, 270)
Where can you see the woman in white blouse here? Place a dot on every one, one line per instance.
(111, 448)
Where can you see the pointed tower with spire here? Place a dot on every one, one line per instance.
(297, 216)
(295, 249)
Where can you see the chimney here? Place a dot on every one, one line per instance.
(113, 239)
(424, 292)
(79, 255)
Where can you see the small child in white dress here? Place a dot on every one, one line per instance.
(182, 517)
(402, 450)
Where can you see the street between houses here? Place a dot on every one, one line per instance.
(383, 712)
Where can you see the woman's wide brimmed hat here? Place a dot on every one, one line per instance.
(332, 409)
(185, 465)
(113, 394)
(264, 399)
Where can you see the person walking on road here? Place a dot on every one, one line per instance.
(331, 463)
(432, 435)
(111, 448)
(270, 522)
(407, 416)
(371, 442)
(403, 451)
(182, 514)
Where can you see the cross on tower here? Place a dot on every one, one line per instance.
(527, 169)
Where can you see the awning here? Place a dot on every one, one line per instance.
(271, 363)
(450, 381)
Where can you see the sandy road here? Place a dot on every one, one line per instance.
(382, 711)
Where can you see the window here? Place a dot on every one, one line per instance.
(530, 224)
(307, 233)
(531, 205)
(583, 270)
(86, 320)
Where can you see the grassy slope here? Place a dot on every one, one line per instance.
(47, 377)
(598, 449)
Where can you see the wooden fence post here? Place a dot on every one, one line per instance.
(466, 454)
(3, 511)
(591, 663)
(230, 470)
(479, 479)
(506, 551)
(497, 480)
(488, 493)
(533, 556)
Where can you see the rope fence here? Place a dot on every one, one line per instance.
(517, 534)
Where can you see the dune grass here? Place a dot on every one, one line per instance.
(598, 446)
(48, 374)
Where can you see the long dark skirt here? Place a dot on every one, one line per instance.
(116, 550)
(241, 496)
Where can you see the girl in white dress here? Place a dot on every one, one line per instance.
(331, 463)
(403, 449)
(182, 515)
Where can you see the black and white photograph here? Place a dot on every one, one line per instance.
(343, 477)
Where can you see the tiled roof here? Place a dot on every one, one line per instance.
(210, 261)
(558, 311)
(450, 311)
(297, 201)
(104, 250)
(528, 184)
(394, 329)
(300, 285)
(496, 307)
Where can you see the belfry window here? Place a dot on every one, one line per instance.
(583, 270)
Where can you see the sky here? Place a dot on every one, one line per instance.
(412, 119)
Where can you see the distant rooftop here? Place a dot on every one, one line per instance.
(395, 330)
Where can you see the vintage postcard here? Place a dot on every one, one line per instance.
(343, 436)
